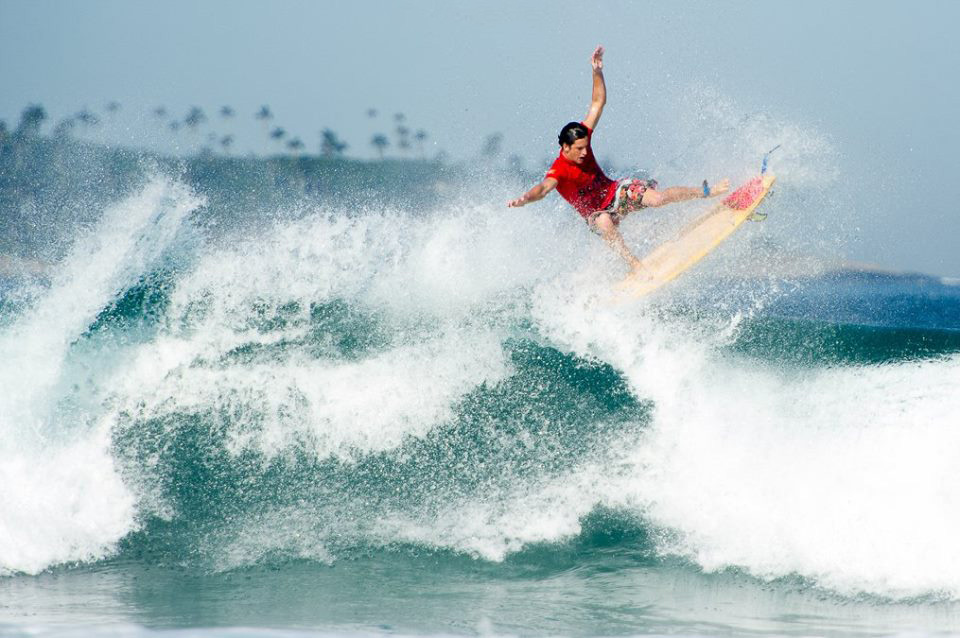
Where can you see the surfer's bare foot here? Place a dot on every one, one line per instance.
(638, 270)
(719, 188)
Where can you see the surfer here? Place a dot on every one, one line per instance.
(602, 202)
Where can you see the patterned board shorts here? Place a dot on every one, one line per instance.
(628, 198)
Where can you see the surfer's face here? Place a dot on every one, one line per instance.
(576, 152)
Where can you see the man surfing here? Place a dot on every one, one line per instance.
(602, 202)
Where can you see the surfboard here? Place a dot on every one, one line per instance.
(672, 258)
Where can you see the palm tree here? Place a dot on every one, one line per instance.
(226, 142)
(420, 136)
(207, 148)
(195, 117)
(399, 117)
(371, 113)
(86, 119)
(295, 145)
(226, 112)
(331, 145)
(277, 135)
(264, 113)
(112, 108)
(403, 138)
(380, 142)
(31, 119)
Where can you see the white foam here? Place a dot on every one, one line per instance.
(444, 266)
(64, 504)
(61, 497)
(847, 476)
(427, 279)
(332, 408)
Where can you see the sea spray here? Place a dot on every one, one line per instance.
(62, 497)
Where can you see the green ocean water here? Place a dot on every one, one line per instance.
(227, 414)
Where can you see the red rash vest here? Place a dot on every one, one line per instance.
(583, 185)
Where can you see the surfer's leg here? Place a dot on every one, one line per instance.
(603, 223)
(654, 198)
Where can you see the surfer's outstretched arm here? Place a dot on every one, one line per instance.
(536, 193)
(599, 98)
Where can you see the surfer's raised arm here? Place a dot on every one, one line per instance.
(597, 101)
(599, 97)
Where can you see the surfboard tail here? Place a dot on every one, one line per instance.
(743, 197)
(673, 257)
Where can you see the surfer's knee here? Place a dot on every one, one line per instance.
(604, 224)
(652, 199)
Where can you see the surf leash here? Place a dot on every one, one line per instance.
(763, 166)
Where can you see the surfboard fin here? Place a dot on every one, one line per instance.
(756, 216)
(763, 166)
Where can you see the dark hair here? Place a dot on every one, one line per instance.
(571, 133)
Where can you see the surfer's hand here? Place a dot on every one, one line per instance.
(719, 188)
(516, 203)
(596, 60)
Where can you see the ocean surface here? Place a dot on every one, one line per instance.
(387, 416)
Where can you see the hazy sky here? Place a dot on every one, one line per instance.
(878, 81)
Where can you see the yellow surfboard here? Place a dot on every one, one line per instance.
(669, 260)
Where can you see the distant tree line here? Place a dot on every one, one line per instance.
(196, 120)
(406, 142)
